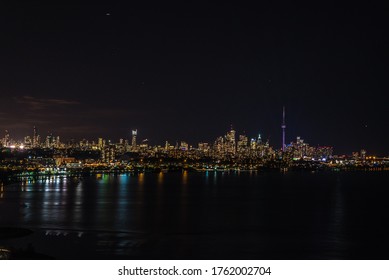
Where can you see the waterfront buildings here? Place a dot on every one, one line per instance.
(226, 152)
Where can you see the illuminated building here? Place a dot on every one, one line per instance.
(259, 139)
(35, 138)
(167, 145)
(52, 142)
(237, 152)
(253, 144)
(108, 154)
(363, 155)
(184, 146)
(143, 145)
(219, 145)
(242, 144)
(204, 147)
(6, 139)
(101, 143)
(58, 143)
(230, 142)
(323, 153)
(85, 145)
(133, 141)
(27, 142)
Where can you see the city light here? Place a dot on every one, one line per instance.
(231, 151)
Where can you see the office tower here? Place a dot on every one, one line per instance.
(242, 144)
(259, 139)
(230, 139)
(253, 144)
(184, 146)
(35, 138)
(100, 143)
(27, 142)
(133, 141)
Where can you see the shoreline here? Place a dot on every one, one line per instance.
(86, 173)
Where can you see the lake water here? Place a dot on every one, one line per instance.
(213, 215)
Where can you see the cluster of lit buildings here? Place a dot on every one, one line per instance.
(227, 147)
(229, 150)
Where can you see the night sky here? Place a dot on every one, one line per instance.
(188, 72)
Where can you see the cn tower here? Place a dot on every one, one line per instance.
(283, 126)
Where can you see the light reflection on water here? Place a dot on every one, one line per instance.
(246, 212)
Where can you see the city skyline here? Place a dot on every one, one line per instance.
(132, 143)
(132, 135)
(85, 71)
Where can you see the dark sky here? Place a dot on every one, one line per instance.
(188, 72)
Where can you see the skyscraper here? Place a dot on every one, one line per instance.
(35, 138)
(230, 139)
(242, 144)
(133, 142)
(100, 143)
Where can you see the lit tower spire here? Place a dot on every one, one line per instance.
(283, 126)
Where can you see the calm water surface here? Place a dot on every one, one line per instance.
(203, 216)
